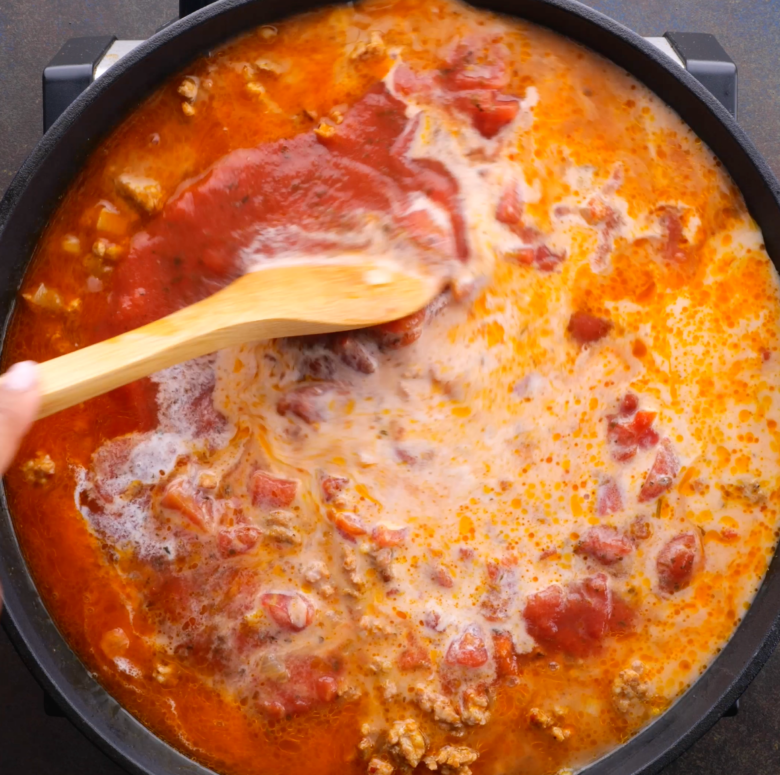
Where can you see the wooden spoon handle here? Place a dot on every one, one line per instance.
(181, 336)
(275, 302)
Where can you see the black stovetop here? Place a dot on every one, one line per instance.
(32, 31)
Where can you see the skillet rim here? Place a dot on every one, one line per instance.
(29, 625)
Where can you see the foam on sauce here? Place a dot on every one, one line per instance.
(589, 415)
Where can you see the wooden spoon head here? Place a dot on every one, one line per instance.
(333, 296)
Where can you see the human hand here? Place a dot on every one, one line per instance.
(19, 402)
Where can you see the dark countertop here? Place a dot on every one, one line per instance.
(31, 32)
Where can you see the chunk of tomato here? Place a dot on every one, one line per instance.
(179, 497)
(291, 611)
(271, 492)
(662, 474)
(605, 545)
(240, 539)
(468, 649)
(507, 663)
(677, 562)
(609, 499)
(585, 328)
(577, 617)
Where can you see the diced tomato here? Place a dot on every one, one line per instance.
(420, 227)
(644, 434)
(442, 577)
(547, 261)
(271, 492)
(605, 545)
(332, 486)
(623, 442)
(240, 539)
(629, 404)
(510, 207)
(598, 213)
(468, 649)
(179, 497)
(677, 562)
(630, 430)
(673, 249)
(386, 536)
(406, 81)
(348, 524)
(305, 402)
(662, 474)
(489, 112)
(507, 663)
(317, 365)
(400, 333)
(291, 612)
(309, 682)
(471, 87)
(414, 656)
(432, 620)
(354, 353)
(576, 618)
(585, 328)
(609, 499)
(466, 74)
(327, 688)
(205, 417)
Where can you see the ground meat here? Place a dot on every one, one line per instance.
(452, 760)
(164, 673)
(38, 470)
(45, 298)
(380, 767)
(540, 719)
(474, 706)
(350, 568)
(279, 527)
(144, 193)
(628, 689)
(382, 560)
(550, 722)
(267, 66)
(437, 704)
(746, 490)
(367, 49)
(316, 571)
(406, 743)
(188, 88)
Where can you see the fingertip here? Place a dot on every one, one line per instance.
(22, 377)
(20, 401)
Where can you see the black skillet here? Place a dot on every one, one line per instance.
(40, 184)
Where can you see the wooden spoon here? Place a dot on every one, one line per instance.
(275, 301)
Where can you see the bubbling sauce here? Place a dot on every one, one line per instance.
(502, 534)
